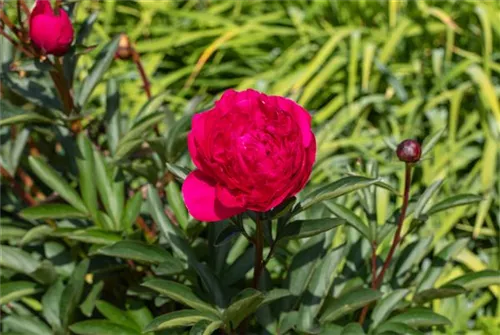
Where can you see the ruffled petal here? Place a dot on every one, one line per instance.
(302, 118)
(199, 193)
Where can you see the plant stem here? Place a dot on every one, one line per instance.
(137, 60)
(62, 86)
(259, 250)
(18, 189)
(377, 280)
(397, 236)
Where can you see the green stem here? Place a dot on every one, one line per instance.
(259, 251)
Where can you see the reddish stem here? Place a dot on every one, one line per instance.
(137, 60)
(397, 236)
(18, 189)
(377, 280)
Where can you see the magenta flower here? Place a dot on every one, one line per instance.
(252, 152)
(51, 33)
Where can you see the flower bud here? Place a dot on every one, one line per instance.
(124, 49)
(50, 32)
(409, 151)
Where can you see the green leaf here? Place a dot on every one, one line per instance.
(87, 306)
(111, 190)
(51, 302)
(420, 317)
(445, 291)
(244, 304)
(431, 142)
(52, 179)
(353, 329)
(425, 197)
(170, 267)
(86, 169)
(20, 261)
(72, 293)
(181, 294)
(178, 171)
(440, 260)
(137, 132)
(183, 318)
(319, 286)
(205, 327)
(475, 280)
(112, 116)
(137, 251)
(101, 65)
(454, 201)
(12, 291)
(52, 211)
(115, 315)
(36, 233)
(303, 264)
(101, 327)
(172, 233)
(397, 328)
(307, 228)
(131, 211)
(28, 117)
(347, 303)
(386, 305)
(25, 324)
(274, 295)
(227, 234)
(175, 202)
(334, 190)
(90, 235)
(350, 217)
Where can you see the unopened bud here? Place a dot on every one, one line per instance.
(409, 151)
(124, 49)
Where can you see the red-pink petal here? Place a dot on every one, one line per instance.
(199, 192)
(302, 117)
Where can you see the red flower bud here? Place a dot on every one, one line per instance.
(409, 151)
(51, 32)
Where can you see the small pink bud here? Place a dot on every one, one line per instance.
(409, 151)
(50, 32)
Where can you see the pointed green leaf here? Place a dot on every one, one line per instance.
(101, 327)
(445, 291)
(347, 303)
(387, 304)
(243, 305)
(12, 291)
(475, 280)
(72, 294)
(52, 211)
(51, 302)
(115, 315)
(183, 318)
(307, 228)
(101, 65)
(137, 251)
(52, 179)
(397, 328)
(350, 217)
(454, 201)
(335, 189)
(180, 293)
(420, 317)
(86, 169)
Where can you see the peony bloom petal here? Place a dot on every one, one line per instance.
(302, 118)
(199, 192)
(51, 32)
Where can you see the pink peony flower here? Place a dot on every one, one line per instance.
(51, 33)
(252, 152)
